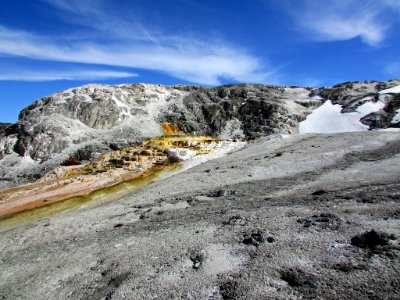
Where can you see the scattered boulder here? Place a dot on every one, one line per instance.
(319, 192)
(350, 266)
(223, 193)
(298, 278)
(323, 221)
(370, 239)
(270, 239)
(235, 220)
(197, 257)
(255, 238)
(71, 161)
(228, 289)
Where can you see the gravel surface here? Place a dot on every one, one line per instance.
(286, 217)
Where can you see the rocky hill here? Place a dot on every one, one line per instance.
(87, 121)
(281, 216)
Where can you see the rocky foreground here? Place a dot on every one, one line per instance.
(287, 217)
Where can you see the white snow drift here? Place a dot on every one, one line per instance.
(328, 118)
(393, 90)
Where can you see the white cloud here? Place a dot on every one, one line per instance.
(200, 62)
(124, 41)
(45, 75)
(338, 28)
(344, 19)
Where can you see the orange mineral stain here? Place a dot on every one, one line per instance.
(170, 129)
(112, 168)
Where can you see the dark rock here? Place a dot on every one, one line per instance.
(71, 161)
(222, 193)
(197, 257)
(255, 237)
(380, 119)
(370, 239)
(319, 192)
(298, 278)
(350, 266)
(323, 221)
(270, 239)
(306, 222)
(3, 128)
(235, 220)
(228, 289)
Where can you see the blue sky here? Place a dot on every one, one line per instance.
(51, 45)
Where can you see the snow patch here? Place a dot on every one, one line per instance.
(317, 97)
(393, 90)
(370, 107)
(329, 119)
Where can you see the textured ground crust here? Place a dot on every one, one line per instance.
(311, 216)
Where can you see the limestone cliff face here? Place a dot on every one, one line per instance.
(86, 121)
(242, 111)
(105, 115)
(94, 113)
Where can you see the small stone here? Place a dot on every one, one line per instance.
(270, 239)
(196, 265)
(319, 193)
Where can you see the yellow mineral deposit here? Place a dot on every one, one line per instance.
(113, 168)
(170, 129)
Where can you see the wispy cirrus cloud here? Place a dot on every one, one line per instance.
(104, 18)
(46, 75)
(121, 42)
(192, 61)
(344, 19)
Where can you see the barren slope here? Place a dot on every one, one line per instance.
(275, 220)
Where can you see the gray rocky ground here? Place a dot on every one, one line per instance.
(286, 217)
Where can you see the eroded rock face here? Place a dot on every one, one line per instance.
(90, 113)
(87, 121)
(243, 111)
(353, 94)
(3, 127)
